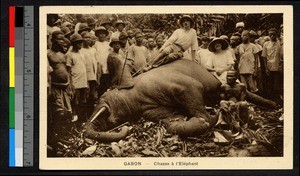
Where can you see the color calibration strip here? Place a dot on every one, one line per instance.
(12, 154)
(21, 86)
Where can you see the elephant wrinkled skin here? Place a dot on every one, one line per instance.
(170, 93)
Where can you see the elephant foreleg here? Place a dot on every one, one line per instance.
(192, 127)
(191, 99)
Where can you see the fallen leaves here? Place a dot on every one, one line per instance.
(149, 152)
(262, 137)
(89, 151)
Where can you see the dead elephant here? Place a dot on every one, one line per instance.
(175, 93)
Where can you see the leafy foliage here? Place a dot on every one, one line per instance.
(212, 24)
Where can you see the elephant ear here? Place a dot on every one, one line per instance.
(119, 72)
(126, 80)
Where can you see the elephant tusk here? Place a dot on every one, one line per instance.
(98, 113)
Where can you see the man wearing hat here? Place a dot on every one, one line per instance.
(120, 76)
(103, 49)
(181, 40)
(91, 22)
(68, 25)
(51, 27)
(220, 60)
(124, 43)
(67, 32)
(79, 19)
(83, 27)
(272, 55)
(120, 25)
(240, 26)
(108, 26)
(77, 69)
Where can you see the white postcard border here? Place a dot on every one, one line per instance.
(215, 163)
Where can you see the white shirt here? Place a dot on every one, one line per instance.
(103, 49)
(184, 38)
(90, 62)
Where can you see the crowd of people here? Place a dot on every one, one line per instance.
(81, 54)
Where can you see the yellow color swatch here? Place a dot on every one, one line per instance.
(11, 67)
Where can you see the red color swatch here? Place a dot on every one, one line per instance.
(11, 26)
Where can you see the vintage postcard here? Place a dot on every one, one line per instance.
(166, 87)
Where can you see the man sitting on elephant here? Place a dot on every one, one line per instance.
(181, 40)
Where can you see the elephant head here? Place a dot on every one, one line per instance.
(112, 110)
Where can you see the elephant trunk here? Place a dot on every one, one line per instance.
(97, 125)
(104, 136)
(258, 100)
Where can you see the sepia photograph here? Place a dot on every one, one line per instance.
(166, 87)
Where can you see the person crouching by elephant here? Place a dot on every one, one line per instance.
(180, 41)
(220, 59)
(77, 69)
(234, 108)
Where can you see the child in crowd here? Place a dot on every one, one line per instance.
(91, 67)
(153, 51)
(203, 54)
(77, 69)
(137, 55)
(248, 61)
